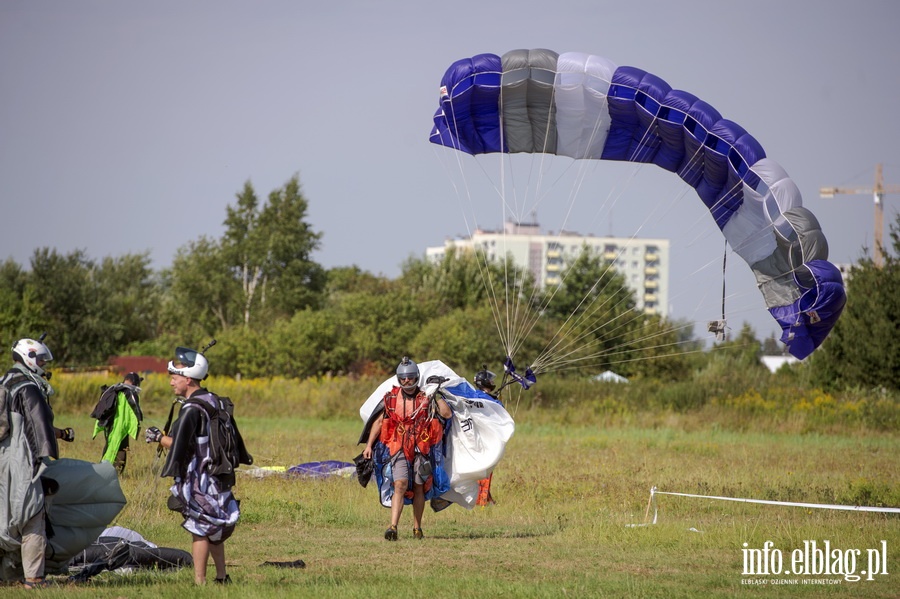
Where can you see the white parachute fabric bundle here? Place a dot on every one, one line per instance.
(478, 432)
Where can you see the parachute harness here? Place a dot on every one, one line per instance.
(413, 433)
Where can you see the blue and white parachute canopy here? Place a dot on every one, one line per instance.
(585, 107)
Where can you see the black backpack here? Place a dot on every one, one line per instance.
(105, 410)
(226, 446)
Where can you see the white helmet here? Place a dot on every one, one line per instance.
(408, 370)
(190, 363)
(33, 354)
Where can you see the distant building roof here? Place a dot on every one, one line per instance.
(773, 363)
(139, 364)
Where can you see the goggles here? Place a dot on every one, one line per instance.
(185, 356)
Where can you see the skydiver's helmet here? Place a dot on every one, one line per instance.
(484, 379)
(33, 354)
(190, 363)
(408, 374)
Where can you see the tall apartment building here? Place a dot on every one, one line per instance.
(643, 262)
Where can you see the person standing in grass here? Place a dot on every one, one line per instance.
(118, 414)
(28, 439)
(202, 492)
(405, 441)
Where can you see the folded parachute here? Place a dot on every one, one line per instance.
(585, 107)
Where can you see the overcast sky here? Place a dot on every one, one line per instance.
(128, 127)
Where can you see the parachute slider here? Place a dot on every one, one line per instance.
(717, 327)
(526, 380)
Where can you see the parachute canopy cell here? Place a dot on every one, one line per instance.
(585, 107)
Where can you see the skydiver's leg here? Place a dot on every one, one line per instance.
(418, 504)
(34, 545)
(400, 473)
(217, 550)
(200, 553)
(398, 500)
(422, 469)
(121, 456)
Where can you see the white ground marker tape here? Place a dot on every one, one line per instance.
(852, 508)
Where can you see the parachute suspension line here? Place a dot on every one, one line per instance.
(516, 302)
(484, 271)
(558, 351)
(503, 321)
(717, 327)
(624, 348)
(558, 354)
(578, 182)
(573, 194)
(554, 356)
(561, 347)
(510, 303)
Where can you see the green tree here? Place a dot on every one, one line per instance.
(596, 315)
(311, 344)
(20, 304)
(352, 279)
(202, 297)
(269, 250)
(464, 279)
(72, 311)
(377, 330)
(863, 349)
(464, 339)
(243, 247)
(598, 326)
(131, 294)
(89, 311)
(295, 282)
(733, 366)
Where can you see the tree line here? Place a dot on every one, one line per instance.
(276, 312)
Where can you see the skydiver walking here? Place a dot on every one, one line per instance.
(404, 441)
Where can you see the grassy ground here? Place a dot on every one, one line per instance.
(567, 495)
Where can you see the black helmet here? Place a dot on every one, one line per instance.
(484, 379)
(407, 369)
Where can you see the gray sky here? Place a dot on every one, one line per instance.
(128, 126)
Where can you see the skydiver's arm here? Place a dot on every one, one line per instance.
(373, 436)
(39, 429)
(444, 409)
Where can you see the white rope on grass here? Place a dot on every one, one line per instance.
(852, 508)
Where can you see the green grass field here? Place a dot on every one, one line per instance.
(567, 491)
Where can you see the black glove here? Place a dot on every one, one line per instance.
(434, 378)
(153, 435)
(67, 435)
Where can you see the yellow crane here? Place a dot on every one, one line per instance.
(878, 193)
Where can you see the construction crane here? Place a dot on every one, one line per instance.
(878, 193)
